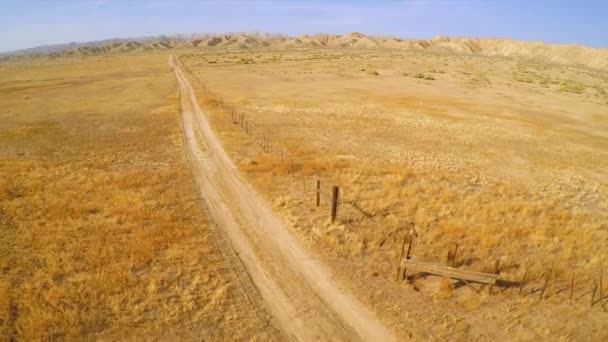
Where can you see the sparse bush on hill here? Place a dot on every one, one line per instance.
(572, 87)
(246, 61)
(423, 77)
(524, 80)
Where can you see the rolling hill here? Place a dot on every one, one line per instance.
(575, 55)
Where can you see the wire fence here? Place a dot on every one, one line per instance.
(575, 287)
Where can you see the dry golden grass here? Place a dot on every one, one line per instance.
(102, 234)
(510, 170)
(446, 288)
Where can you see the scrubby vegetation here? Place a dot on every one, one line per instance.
(102, 233)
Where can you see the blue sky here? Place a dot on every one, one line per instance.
(28, 23)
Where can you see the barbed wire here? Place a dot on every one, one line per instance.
(260, 137)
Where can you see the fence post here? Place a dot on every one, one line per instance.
(318, 192)
(523, 281)
(496, 271)
(334, 203)
(452, 253)
(601, 283)
(407, 256)
(593, 292)
(400, 260)
(571, 287)
(542, 291)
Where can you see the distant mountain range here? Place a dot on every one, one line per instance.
(575, 55)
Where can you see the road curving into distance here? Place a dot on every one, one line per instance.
(298, 290)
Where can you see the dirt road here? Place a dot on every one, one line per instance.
(297, 289)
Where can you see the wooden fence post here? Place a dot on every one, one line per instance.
(593, 292)
(401, 253)
(601, 283)
(318, 192)
(571, 287)
(496, 271)
(407, 256)
(542, 291)
(334, 203)
(452, 253)
(523, 281)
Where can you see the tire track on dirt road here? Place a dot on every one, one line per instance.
(298, 290)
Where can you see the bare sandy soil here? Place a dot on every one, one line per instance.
(503, 157)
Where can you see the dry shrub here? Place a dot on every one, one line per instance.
(445, 288)
(268, 164)
(471, 300)
(272, 163)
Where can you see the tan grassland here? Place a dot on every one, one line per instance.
(503, 157)
(103, 235)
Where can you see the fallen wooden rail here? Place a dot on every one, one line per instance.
(435, 268)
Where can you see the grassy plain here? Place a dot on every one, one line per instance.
(102, 231)
(505, 158)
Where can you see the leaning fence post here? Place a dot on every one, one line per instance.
(407, 256)
(334, 203)
(452, 253)
(318, 192)
(571, 287)
(593, 292)
(400, 260)
(496, 271)
(542, 291)
(523, 281)
(601, 283)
